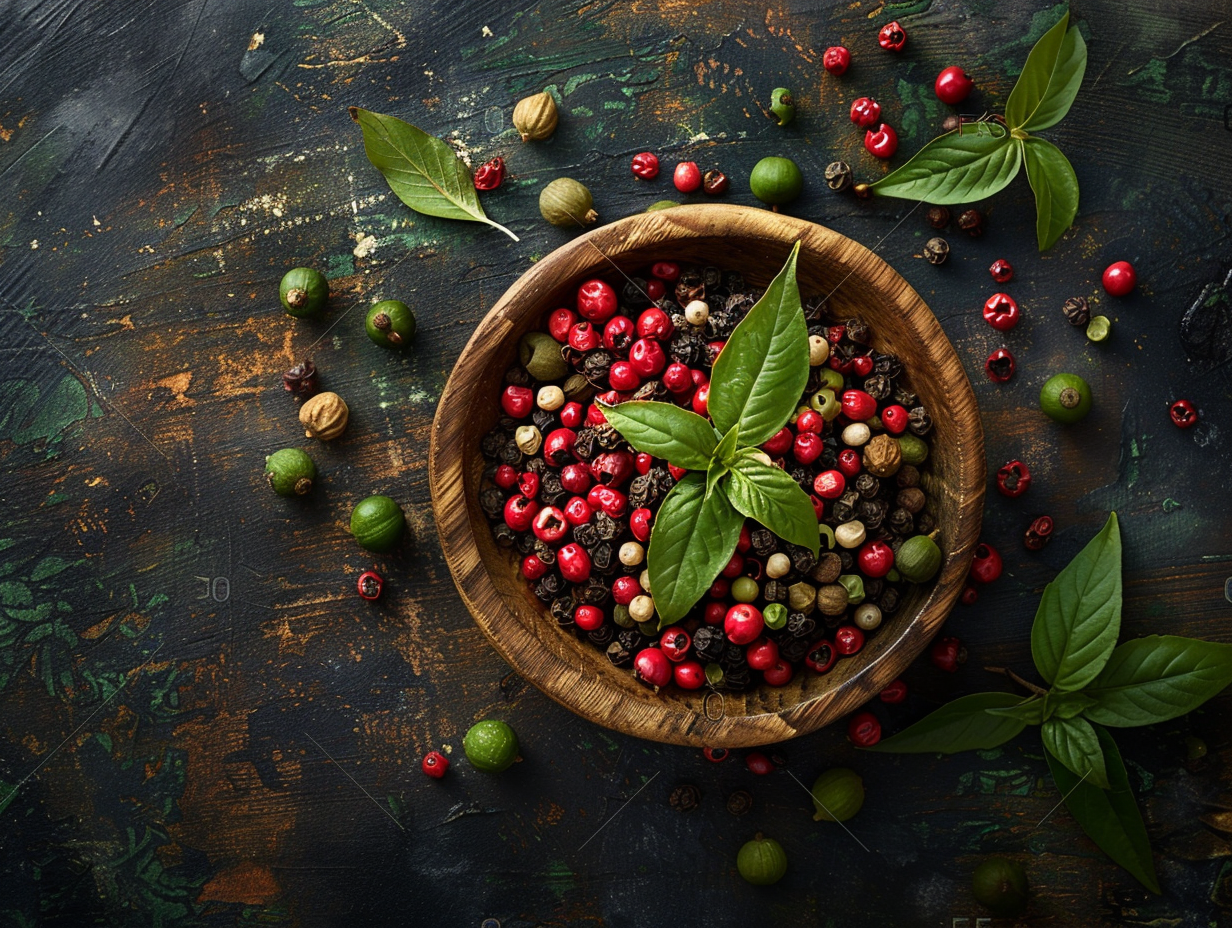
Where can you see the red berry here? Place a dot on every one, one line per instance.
(643, 462)
(734, 568)
(645, 165)
(1120, 278)
(895, 419)
(575, 477)
(759, 763)
(715, 755)
(488, 176)
(652, 667)
(835, 333)
(647, 357)
(574, 563)
(1038, 533)
(572, 415)
(625, 590)
(517, 402)
(587, 617)
(848, 640)
(881, 142)
(743, 623)
(618, 334)
(550, 525)
(666, 271)
(1000, 366)
(655, 323)
(584, 337)
(1183, 414)
(434, 764)
(528, 484)
(1013, 478)
(836, 60)
(532, 567)
(715, 612)
(969, 596)
(655, 289)
(1001, 271)
(858, 406)
(865, 113)
(895, 693)
(596, 301)
(948, 654)
(762, 654)
(819, 506)
(701, 398)
(623, 376)
(829, 484)
(520, 512)
(577, 511)
(639, 524)
(952, 85)
(1001, 312)
(370, 585)
(986, 565)
(675, 643)
(676, 472)
(505, 477)
(560, 322)
(807, 447)
(864, 730)
(778, 675)
(558, 447)
(677, 379)
(779, 443)
(810, 421)
(821, 657)
(862, 364)
(892, 37)
(876, 559)
(611, 501)
(689, 675)
(687, 177)
(849, 462)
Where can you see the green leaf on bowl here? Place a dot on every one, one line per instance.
(768, 495)
(664, 430)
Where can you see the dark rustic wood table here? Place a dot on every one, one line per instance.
(200, 722)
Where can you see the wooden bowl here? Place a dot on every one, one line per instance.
(755, 242)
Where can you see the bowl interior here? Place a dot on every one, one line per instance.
(755, 243)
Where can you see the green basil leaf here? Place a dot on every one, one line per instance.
(1030, 710)
(761, 372)
(425, 173)
(1050, 79)
(1055, 184)
(1109, 817)
(972, 162)
(1066, 705)
(1079, 615)
(768, 494)
(664, 430)
(714, 473)
(1154, 679)
(962, 725)
(1073, 742)
(725, 451)
(693, 538)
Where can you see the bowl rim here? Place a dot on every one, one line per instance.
(569, 684)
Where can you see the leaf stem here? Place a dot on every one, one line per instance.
(1025, 684)
(497, 225)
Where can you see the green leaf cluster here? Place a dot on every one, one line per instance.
(1095, 684)
(755, 388)
(978, 159)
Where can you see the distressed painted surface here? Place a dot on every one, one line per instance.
(175, 639)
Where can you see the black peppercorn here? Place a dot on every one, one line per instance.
(709, 643)
(1077, 310)
(847, 559)
(925, 523)
(802, 559)
(908, 476)
(545, 552)
(905, 397)
(596, 367)
(503, 535)
(491, 443)
(525, 543)
(633, 294)
(562, 610)
(301, 380)
(838, 175)
(619, 655)
(888, 601)
(936, 250)
(712, 277)
(794, 649)
(845, 506)
(877, 386)
(586, 535)
(632, 639)
(549, 586)
(764, 543)
(938, 216)
(971, 221)
(715, 183)
(867, 485)
(602, 558)
(690, 286)
(492, 502)
(901, 521)
(603, 634)
(919, 421)
(740, 802)
(775, 591)
(857, 331)
(685, 798)
(800, 625)
(872, 512)
(887, 364)
(544, 421)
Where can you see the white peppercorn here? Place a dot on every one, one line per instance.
(641, 609)
(632, 554)
(778, 565)
(550, 398)
(850, 534)
(867, 616)
(697, 312)
(819, 350)
(856, 434)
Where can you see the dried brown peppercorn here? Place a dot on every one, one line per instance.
(832, 599)
(301, 380)
(971, 221)
(857, 331)
(838, 175)
(950, 123)
(740, 802)
(828, 567)
(715, 183)
(908, 476)
(883, 456)
(938, 216)
(936, 250)
(801, 597)
(1077, 310)
(911, 498)
(919, 421)
(862, 191)
(685, 798)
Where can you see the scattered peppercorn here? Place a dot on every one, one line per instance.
(715, 755)
(490, 174)
(938, 216)
(1000, 366)
(864, 729)
(895, 693)
(936, 250)
(782, 105)
(1120, 278)
(535, 117)
(1182, 413)
(740, 802)
(434, 764)
(301, 380)
(687, 177)
(969, 595)
(1001, 312)
(1038, 533)
(971, 221)
(892, 37)
(715, 183)
(986, 564)
(948, 654)
(566, 203)
(951, 123)
(1001, 271)
(370, 585)
(776, 180)
(865, 112)
(1077, 310)
(836, 60)
(759, 763)
(645, 165)
(838, 175)
(1099, 328)
(1013, 479)
(953, 85)
(685, 798)
(862, 191)
(881, 142)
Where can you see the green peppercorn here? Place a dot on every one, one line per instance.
(744, 589)
(539, 353)
(775, 615)
(290, 472)
(831, 380)
(838, 794)
(714, 674)
(782, 105)
(826, 404)
(776, 180)
(918, 559)
(303, 292)
(1099, 328)
(854, 585)
(762, 861)
(914, 448)
(390, 324)
(377, 523)
(649, 628)
(620, 615)
(1001, 885)
(566, 203)
(1066, 398)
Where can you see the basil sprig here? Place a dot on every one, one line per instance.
(755, 388)
(1095, 683)
(978, 159)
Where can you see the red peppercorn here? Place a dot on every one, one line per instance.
(821, 657)
(819, 506)
(520, 512)
(528, 484)
(948, 654)
(779, 674)
(550, 525)
(895, 693)
(743, 623)
(655, 289)
(715, 349)
(841, 364)
(370, 585)
(1183, 414)
(675, 643)
(865, 113)
(434, 764)
(625, 590)
(829, 484)
(762, 653)
(895, 419)
(560, 322)
(490, 174)
(1001, 312)
(1000, 366)
(876, 559)
(610, 500)
(676, 378)
(779, 443)
(639, 524)
(1013, 479)
(718, 590)
(848, 640)
(734, 567)
(892, 37)
(689, 675)
(575, 477)
(572, 415)
(618, 333)
(558, 447)
(862, 364)
(849, 462)
(715, 613)
(533, 567)
(577, 511)
(715, 183)
(1120, 278)
(517, 402)
(588, 617)
(584, 337)
(647, 357)
(715, 755)
(622, 376)
(666, 271)
(953, 85)
(652, 667)
(701, 398)
(858, 406)
(745, 539)
(810, 421)
(986, 565)
(881, 142)
(969, 596)
(807, 447)
(574, 563)
(687, 177)
(596, 301)
(505, 477)
(655, 323)
(836, 60)
(759, 763)
(642, 463)
(1001, 271)
(1038, 533)
(864, 730)
(645, 165)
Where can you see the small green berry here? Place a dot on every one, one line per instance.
(303, 292)
(838, 794)
(782, 105)
(390, 324)
(491, 746)
(290, 472)
(1066, 398)
(776, 180)
(744, 589)
(377, 524)
(762, 861)
(1001, 885)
